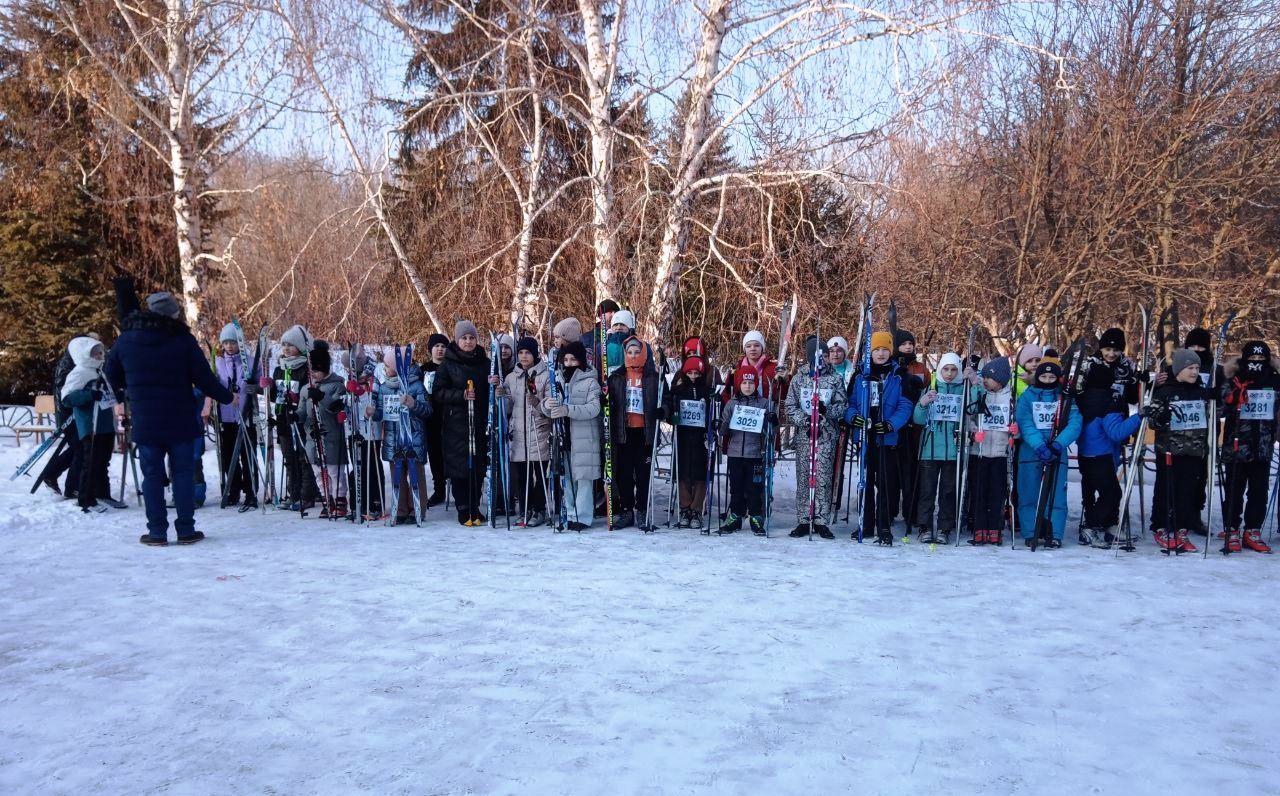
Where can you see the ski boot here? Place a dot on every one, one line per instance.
(1184, 544)
(800, 531)
(1253, 541)
(685, 520)
(1231, 542)
(250, 504)
(884, 536)
(732, 524)
(535, 519)
(624, 519)
(695, 522)
(823, 531)
(757, 525)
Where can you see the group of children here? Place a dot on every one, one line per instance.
(976, 445)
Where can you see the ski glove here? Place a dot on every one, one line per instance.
(883, 427)
(1057, 449)
(315, 394)
(660, 414)
(772, 418)
(1045, 454)
(860, 422)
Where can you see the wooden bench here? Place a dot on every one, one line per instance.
(43, 422)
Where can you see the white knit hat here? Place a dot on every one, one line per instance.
(229, 334)
(755, 335)
(838, 341)
(624, 316)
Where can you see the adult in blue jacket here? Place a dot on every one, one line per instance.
(1100, 449)
(1039, 447)
(879, 407)
(156, 362)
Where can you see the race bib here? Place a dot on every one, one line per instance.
(997, 419)
(1187, 416)
(1260, 406)
(108, 400)
(806, 395)
(1204, 378)
(747, 418)
(635, 400)
(693, 413)
(874, 391)
(429, 381)
(391, 407)
(1043, 412)
(946, 409)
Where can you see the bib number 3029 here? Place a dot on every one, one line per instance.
(747, 418)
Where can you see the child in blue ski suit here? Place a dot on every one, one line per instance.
(1039, 447)
(404, 447)
(878, 406)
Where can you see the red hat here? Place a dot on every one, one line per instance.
(693, 347)
(746, 373)
(693, 366)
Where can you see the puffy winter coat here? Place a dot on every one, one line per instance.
(1109, 425)
(743, 444)
(581, 405)
(768, 370)
(328, 411)
(1250, 440)
(832, 410)
(448, 394)
(995, 440)
(156, 362)
(530, 428)
(1174, 403)
(691, 446)
(895, 406)
(394, 437)
(1031, 437)
(84, 407)
(939, 440)
(618, 401)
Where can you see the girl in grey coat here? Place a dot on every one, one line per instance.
(530, 430)
(581, 405)
(747, 416)
(322, 402)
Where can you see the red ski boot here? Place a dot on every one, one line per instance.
(1183, 543)
(1232, 544)
(1164, 540)
(1253, 541)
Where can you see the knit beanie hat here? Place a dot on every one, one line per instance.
(507, 340)
(321, 360)
(299, 338)
(608, 305)
(1184, 358)
(882, 340)
(624, 317)
(998, 370)
(436, 339)
(464, 327)
(527, 344)
(693, 347)
(1048, 366)
(753, 336)
(840, 342)
(578, 350)
(164, 303)
(1198, 336)
(953, 359)
(746, 373)
(1112, 338)
(569, 329)
(229, 334)
(693, 366)
(902, 336)
(1256, 348)
(633, 353)
(1029, 351)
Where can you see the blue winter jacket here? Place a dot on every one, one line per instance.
(1106, 435)
(411, 384)
(84, 408)
(894, 406)
(1031, 437)
(156, 361)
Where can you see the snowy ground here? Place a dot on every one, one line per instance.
(290, 656)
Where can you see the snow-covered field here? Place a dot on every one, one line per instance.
(289, 656)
